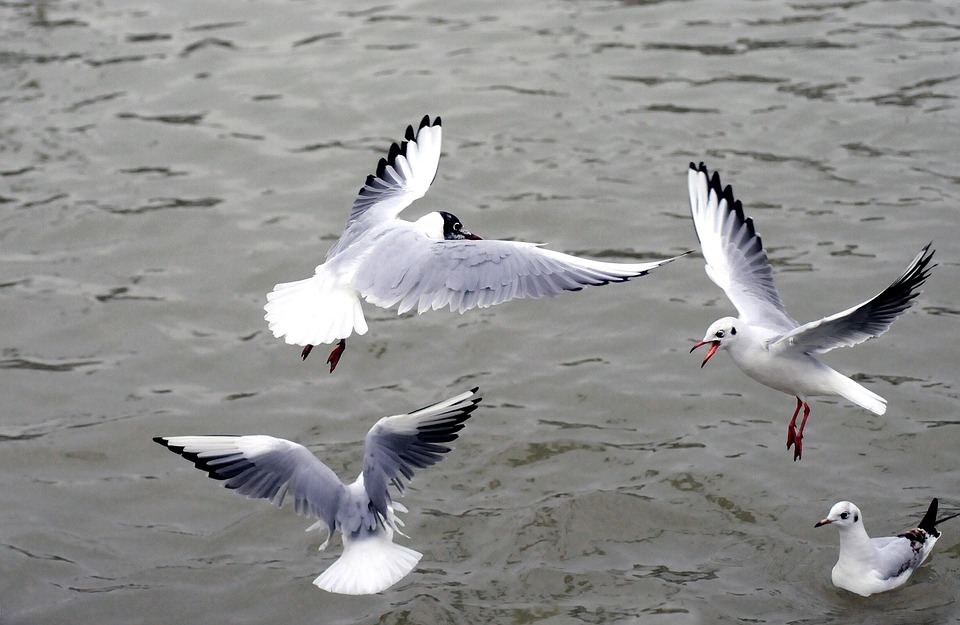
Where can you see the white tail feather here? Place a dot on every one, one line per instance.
(314, 311)
(368, 565)
(860, 395)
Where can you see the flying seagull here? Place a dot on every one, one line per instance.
(426, 264)
(871, 565)
(264, 467)
(764, 341)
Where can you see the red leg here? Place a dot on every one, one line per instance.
(334, 356)
(791, 429)
(799, 448)
(305, 352)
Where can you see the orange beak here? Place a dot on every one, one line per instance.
(823, 522)
(714, 346)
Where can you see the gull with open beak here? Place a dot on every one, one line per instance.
(764, 341)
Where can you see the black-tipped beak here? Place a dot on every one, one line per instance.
(714, 346)
(823, 522)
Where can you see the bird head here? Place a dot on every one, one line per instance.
(843, 515)
(453, 228)
(720, 334)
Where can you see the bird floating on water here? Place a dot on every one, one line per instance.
(871, 565)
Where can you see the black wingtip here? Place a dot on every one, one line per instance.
(715, 183)
(161, 441)
(927, 257)
(947, 518)
(929, 521)
(393, 153)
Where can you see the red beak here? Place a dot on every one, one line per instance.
(714, 346)
(823, 522)
(471, 236)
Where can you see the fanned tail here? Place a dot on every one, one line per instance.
(369, 564)
(314, 311)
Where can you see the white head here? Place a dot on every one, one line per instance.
(844, 515)
(719, 335)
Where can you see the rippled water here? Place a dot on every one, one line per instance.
(163, 164)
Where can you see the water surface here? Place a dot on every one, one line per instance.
(163, 164)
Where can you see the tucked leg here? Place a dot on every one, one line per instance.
(334, 356)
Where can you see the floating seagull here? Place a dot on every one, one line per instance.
(871, 565)
(764, 341)
(428, 263)
(264, 467)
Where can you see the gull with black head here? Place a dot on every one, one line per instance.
(425, 264)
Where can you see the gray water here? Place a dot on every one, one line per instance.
(163, 164)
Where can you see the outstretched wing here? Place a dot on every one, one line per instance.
(397, 445)
(736, 260)
(264, 467)
(416, 271)
(402, 177)
(864, 321)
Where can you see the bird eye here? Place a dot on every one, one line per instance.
(458, 226)
(719, 334)
(844, 515)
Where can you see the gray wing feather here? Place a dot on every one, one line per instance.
(264, 467)
(864, 321)
(736, 260)
(897, 555)
(397, 445)
(412, 270)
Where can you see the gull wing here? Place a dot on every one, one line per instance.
(864, 321)
(900, 554)
(736, 260)
(264, 467)
(397, 445)
(402, 177)
(412, 270)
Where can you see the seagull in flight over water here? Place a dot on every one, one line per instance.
(264, 467)
(871, 565)
(427, 264)
(764, 341)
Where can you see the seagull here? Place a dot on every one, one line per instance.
(264, 467)
(764, 341)
(871, 565)
(428, 263)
